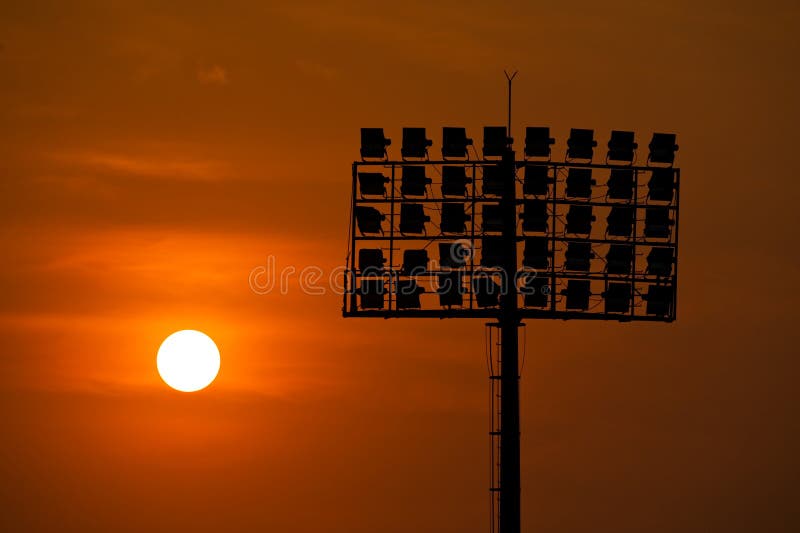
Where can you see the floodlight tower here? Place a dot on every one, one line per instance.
(630, 269)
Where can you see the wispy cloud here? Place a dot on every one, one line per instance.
(149, 166)
(316, 70)
(212, 75)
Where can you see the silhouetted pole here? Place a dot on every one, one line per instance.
(510, 78)
(509, 359)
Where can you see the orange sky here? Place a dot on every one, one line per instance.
(152, 156)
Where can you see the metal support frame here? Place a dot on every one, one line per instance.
(508, 315)
(555, 200)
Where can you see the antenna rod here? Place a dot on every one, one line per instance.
(510, 78)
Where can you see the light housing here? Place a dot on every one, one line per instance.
(580, 144)
(372, 293)
(621, 146)
(371, 260)
(454, 218)
(492, 182)
(491, 218)
(454, 180)
(373, 143)
(660, 261)
(620, 184)
(577, 293)
(579, 183)
(536, 291)
(415, 143)
(619, 259)
(496, 141)
(413, 218)
(619, 222)
(369, 219)
(453, 254)
(578, 256)
(414, 262)
(407, 293)
(372, 183)
(538, 142)
(618, 297)
(662, 149)
(413, 181)
(455, 142)
(661, 186)
(450, 289)
(537, 180)
(536, 253)
(485, 290)
(492, 252)
(657, 222)
(579, 219)
(659, 300)
(534, 216)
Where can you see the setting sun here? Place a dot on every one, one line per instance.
(188, 360)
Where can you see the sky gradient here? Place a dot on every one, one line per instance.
(152, 157)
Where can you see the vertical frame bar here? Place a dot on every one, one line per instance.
(391, 239)
(351, 273)
(635, 239)
(472, 239)
(552, 232)
(674, 314)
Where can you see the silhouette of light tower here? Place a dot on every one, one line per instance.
(482, 214)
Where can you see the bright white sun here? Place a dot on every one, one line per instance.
(188, 360)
